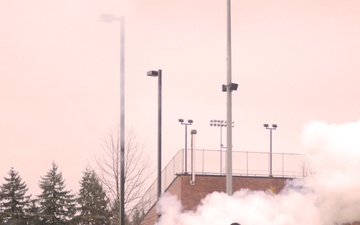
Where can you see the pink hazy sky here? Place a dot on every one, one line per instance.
(294, 61)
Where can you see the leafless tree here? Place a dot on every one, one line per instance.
(137, 169)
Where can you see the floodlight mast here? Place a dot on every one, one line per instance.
(110, 18)
(189, 122)
(273, 127)
(221, 124)
(229, 90)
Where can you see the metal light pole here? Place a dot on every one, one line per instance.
(154, 73)
(186, 124)
(221, 124)
(229, 106)
(110, 18)
(274, 126)
(192, 180)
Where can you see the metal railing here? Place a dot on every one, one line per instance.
(207, 162)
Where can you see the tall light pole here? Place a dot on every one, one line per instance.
(154, 73)
(110, 18)
(221, 124)
(228, 88)
(273, 127)
(186, 124)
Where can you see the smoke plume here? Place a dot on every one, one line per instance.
(331, 195)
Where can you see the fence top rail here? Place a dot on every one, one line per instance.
(235, 151)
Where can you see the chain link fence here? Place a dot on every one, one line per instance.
(213, 162)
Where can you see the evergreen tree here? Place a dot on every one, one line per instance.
(14, 199)
(115, 209)
(33, 213)
(57, 206)
(94, 204)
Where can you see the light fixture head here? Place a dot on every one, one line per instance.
(153, 73)
(274, 126)
(107, 18)
(181, 120)
(193, 131)
(190, 121)
(233, 86)
(266, 125)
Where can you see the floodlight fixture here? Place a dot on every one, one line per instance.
(107, 18)
(193, 132)
(231, 86)
(153, 73)
(274, 126)
(181, 120)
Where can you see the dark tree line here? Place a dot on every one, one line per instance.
(55, 204)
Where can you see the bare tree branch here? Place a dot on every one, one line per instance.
(137, 169)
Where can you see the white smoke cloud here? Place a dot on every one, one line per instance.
(335, 154)
(330, 196)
